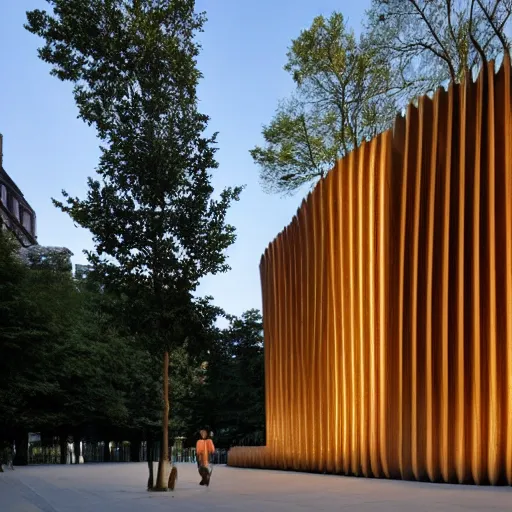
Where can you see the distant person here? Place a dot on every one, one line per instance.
(7, 456)
(204, 448)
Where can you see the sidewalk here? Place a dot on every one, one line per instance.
(121, 487)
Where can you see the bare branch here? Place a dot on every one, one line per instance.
(490, 19)
(471, 36)
(450, 25)
(415, 46)
(446, 56)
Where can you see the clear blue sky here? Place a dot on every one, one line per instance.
(47, 149)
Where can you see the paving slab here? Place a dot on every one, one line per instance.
(121, 487)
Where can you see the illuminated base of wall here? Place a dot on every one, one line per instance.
(258, 457)
(263, 457)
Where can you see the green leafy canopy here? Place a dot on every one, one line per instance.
(157, 226)
(350, 89)
(339, 101)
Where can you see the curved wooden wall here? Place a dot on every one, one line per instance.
(387, 303)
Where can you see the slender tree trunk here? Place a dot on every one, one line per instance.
(134, 449)
(76, 449)
(63, 441)
(77, 435)
(163, 464)
(150, 448)
(21, 440)
(106, 451)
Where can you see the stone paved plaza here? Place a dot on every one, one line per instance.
(120, 487)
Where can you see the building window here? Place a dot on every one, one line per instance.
(27, 221)
(15, 210)
(3, 195)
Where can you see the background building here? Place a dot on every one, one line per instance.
(15, 212)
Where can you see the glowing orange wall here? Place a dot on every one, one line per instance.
(387, 303)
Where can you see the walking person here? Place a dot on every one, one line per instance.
(7, 456)
(204, 448)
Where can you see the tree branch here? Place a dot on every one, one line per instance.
(499, 34)
(308, 144)
(471, 37)
(415, 46)
(450, 26)
(446, 57)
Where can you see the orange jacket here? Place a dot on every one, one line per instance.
(203, 448)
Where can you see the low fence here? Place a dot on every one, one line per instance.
(94, 452)
(182, 455)
(44, 454)
(39, 453)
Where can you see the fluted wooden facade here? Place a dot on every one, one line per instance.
(387, 303)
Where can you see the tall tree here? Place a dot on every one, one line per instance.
(156, 225)
(64, 363)
(429, 42)
(340, 100)
(38, 308)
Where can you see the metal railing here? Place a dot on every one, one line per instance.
(180, 455)
(119, 452)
